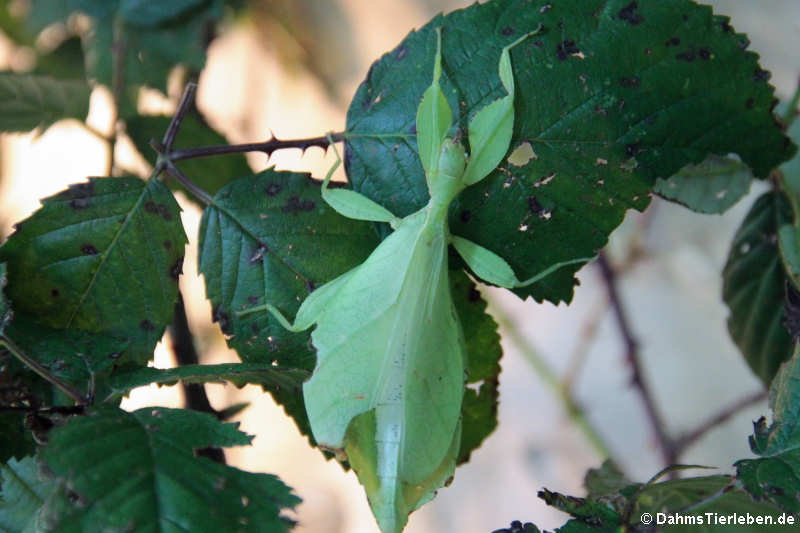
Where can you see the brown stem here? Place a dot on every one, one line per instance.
(267, 147)
(632, 357)
(690, 437)
(186, 354)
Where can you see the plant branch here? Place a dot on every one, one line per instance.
(188, 184)
(117, 88)
(542, 368)
(689, 438)
(186, 354)
(41, 371)
(267, 147)
(183, 107)
(632, 357)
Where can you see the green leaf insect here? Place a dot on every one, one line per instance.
(389, 380)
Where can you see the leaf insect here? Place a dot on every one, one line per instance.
(389, 379)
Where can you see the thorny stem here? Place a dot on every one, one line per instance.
(632, 357)
(267, 147)
(549, 377)
(686, 440)
(41, 371)
(186, 354)
(183, 107)
(117, 89)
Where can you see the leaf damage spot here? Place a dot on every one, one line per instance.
(630, 14)
(295, 204)
(761, 75)
(176, 269)
(258, 255)
(565, 49)
(544, 180)
(474, 294)
(89, 249)
(158, 209)
(674, 41)
(534, 205)
(630, 83)
(687, 55)
(147, 325)
(508, 30)
(402, 52)
(79, 203)
(545, 8)
(522, 155)
(55, 293)
(221, 317)
(465, 215)
(273, 189)
(600, 162)
(167, 244)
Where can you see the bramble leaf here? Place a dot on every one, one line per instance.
(103, 256)
(709, 187)
(754, 282)
(208, 173)
(137, 470)
(268, 376)
(602, 125)
(147, 13)
(29, 101)
(23, 493)
(775, 476)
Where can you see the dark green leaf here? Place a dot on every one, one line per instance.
(149, 13)
(603, 124)
(24, 490)
(46, 12)
(479, 407)
(268, 376)
(709, 187)
(753, 287)
(270, 238)
(137, 470)
(775, 477)
(101, 256)
(151, 53)
(80, 358)
(5, 308)
(16, 441)
(209, 173)
(29, 101)
(66, 61)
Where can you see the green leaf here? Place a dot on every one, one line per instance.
(208, 173)
(603, 125)
(268, 376)
(775, 477)
(17, 440)
(80, 358)
(137, 470)
(46, 12)
(709, 187)
(23, 492)
(607, 479)
(789, 246)
(66, 61)
(29, 101)
(703, 503)
(150, 53)
(269, 237)
(103, 256)
(148, 13)
(753, 287)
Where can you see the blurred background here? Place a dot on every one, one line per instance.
(290, 67)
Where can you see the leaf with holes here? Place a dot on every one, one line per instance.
(29, 101)
(604, 92)
(754, 282)
(775, 476)
(137, 470)
(24, 490)
(208, 173)
(709, 187)
(103, 256)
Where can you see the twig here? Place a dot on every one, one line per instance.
(267, 147)
(581, 351)
(117, 88)
(42, 371)
(186, 354)
(187, 183)
(549, 377)
(632, 357)
(183, 107)
(686, 440)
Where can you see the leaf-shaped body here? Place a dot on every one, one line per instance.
(388, 341)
